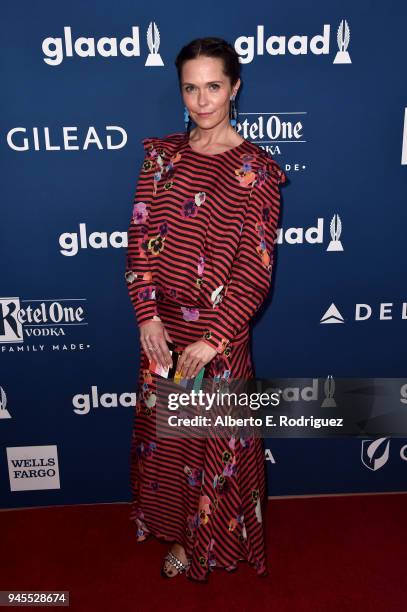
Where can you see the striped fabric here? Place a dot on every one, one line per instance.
(200, 258)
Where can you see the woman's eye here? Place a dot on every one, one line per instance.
(189, 87)
(215, 85)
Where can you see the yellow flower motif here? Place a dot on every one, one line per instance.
(156, 244)
(147, 165)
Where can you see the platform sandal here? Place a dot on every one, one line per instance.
(179, 566)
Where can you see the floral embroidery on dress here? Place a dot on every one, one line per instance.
(190, 314)
(216, 296)
(156, 244)
(194, 476)
(140, 213)
(201, 264)
(156, 160)
(262, 247)
(245, 174)
(200, 198)
(147, 293)
(189, 208)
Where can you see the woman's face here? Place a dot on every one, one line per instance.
(206, 91)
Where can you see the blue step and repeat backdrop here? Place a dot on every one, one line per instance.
(324, 91)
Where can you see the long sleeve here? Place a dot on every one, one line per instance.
(250, 280)
(138, 275)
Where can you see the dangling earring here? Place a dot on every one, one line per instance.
(186, 118)
(233, 112)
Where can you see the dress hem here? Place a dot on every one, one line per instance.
(149, 533)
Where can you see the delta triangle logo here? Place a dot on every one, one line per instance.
(332, 315)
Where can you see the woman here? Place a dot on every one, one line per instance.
(198, 266)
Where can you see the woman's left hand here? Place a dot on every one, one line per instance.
(194, 357)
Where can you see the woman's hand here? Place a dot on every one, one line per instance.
(153, 338)
(194, 357)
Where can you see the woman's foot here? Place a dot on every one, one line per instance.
(168, 568)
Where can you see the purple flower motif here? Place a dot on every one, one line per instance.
(163, 229)
(145, 294)
(229, 470)
(245, 442)
(189, 209)
(266, 214)
(172, 292)
(201, 265)
(246, 167)
(170, 170)
(190, 314)
(140, 213)
(159, 294)
(195, 477)
(261, 175)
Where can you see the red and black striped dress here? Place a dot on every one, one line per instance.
(200, 258)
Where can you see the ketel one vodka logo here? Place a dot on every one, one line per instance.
(343, 38)
(37, 318)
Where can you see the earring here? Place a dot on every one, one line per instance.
(186, 118)
(233, 112)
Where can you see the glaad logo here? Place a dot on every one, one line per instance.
(363, 312)
(83, 402)
(71, 242)
(153, 42)
(46, 319)
(375, 455)
(4, 413)
(55, 49)
(313, 235)
(295, 45)
(336, 230)
(329, 390)
(33, 467)
(343, 37)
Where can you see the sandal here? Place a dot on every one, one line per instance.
(173, 560)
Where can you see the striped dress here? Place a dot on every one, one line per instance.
(200, 259)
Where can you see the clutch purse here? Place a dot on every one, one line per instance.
(171, 372)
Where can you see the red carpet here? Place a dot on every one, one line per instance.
(325, 554)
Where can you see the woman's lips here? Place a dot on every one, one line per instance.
(204, 114)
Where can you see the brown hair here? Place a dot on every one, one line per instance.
(211, 47)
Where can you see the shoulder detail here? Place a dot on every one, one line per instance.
(169, 143)
(273, 168)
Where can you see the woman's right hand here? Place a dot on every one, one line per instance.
(153, 338)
